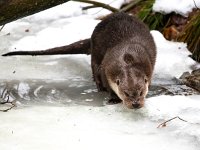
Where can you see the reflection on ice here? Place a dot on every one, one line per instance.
(75, 91)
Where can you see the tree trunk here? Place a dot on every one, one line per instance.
(11, 10)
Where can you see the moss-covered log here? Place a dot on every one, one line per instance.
(11, 10)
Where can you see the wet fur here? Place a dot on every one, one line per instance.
(123, 58)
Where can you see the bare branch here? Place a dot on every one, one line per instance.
(164, 124)
(13, 105)
(195, 4)
(5, 96)
(130, 5)
(89, 7)
(2, 27)
(98, 4)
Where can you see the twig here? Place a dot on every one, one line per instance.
(99, 4)
(3, 94)
(130, 5)
(89, 7)
(195, 4)
(6, 97)
(5, 110)
(164, 124)
(2, 27)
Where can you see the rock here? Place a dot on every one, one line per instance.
(173, 89)
(184, 75)
(196, 72)
(192, 80)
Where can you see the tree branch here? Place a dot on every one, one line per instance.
(89, 7)
(195, 4)
(99, 4)
(11, 10)
(2, 28)
(130, 5)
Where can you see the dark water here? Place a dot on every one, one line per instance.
(77, 91)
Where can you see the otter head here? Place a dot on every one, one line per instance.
(129, 82)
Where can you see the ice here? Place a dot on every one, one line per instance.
(58, 106)
(23, 90)
(82, 127)
(182, 7)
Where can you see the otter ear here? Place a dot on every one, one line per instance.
(128, 58)
(118, 81)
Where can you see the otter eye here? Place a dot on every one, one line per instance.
(126, 94)
(141, 93)
(118, 81)
(145, 80)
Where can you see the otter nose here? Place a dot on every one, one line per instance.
(136, 105)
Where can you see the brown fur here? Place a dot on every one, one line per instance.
(123, 58)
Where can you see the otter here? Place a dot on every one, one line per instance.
(123, 55)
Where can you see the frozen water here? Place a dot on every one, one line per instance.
(82, 127)
(58, 106)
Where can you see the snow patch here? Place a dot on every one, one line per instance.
(172, 57)
(182, 7)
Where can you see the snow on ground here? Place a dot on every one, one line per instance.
(182, 7)
(171, 54)
(79, 118)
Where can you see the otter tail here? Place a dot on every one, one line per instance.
(79, 47)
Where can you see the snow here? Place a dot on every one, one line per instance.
(58, 105)
(171, 53)
(182, 7)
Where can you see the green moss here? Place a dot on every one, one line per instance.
(154, 20)
(1, 18)
(158, 21)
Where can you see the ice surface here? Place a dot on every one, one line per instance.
(82, 127)
(182, 7)
(58, 105)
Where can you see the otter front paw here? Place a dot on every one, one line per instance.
(114, 101)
